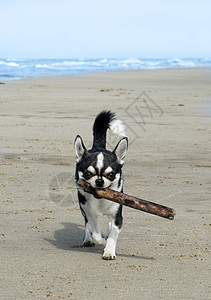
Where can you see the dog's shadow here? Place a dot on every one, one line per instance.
(72, 234)
(70, 237)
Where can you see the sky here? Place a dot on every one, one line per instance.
(98, 29)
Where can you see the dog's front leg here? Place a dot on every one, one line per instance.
(110, 249)
(93, 231)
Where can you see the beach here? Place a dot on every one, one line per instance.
(167, 116)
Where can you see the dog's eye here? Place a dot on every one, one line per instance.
(87, 175)
(111, 176)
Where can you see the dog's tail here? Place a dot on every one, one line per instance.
(106, 120)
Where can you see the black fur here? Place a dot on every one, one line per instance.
(118, 217)
(100, 127)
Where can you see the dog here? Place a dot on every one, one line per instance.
(102, 169)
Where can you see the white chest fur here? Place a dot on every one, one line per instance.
(99, 207)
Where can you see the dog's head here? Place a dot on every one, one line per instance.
(100, 167)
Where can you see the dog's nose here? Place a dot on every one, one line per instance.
(99, 182)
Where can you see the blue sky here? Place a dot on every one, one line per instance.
(97, 29)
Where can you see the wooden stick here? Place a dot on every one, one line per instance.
(124, 199)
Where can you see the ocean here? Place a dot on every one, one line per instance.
(14, 68)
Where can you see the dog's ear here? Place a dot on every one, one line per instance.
(121, 150)
(79, 147)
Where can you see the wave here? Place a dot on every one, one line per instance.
(21, 68)
(181, 63)
(9, 64)
(125, 63)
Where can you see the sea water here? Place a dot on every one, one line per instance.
(13, 68)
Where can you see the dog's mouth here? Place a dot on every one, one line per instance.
(103, 187)
(100, 188)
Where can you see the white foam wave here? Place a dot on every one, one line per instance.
(9, 64)
(105, 60)
(69, 63)
(181, 62)
(131, 61)
(153, 63)
(39, 66)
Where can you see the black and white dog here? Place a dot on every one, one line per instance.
(102, 169)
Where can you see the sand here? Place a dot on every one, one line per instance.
(167, 114)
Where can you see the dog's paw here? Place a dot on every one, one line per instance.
(108, 256)
(109, 251)
(88, 244)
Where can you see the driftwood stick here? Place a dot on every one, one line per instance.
(124, 199)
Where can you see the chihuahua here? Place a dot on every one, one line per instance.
(102, 169)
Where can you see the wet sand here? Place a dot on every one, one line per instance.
(167, 115)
